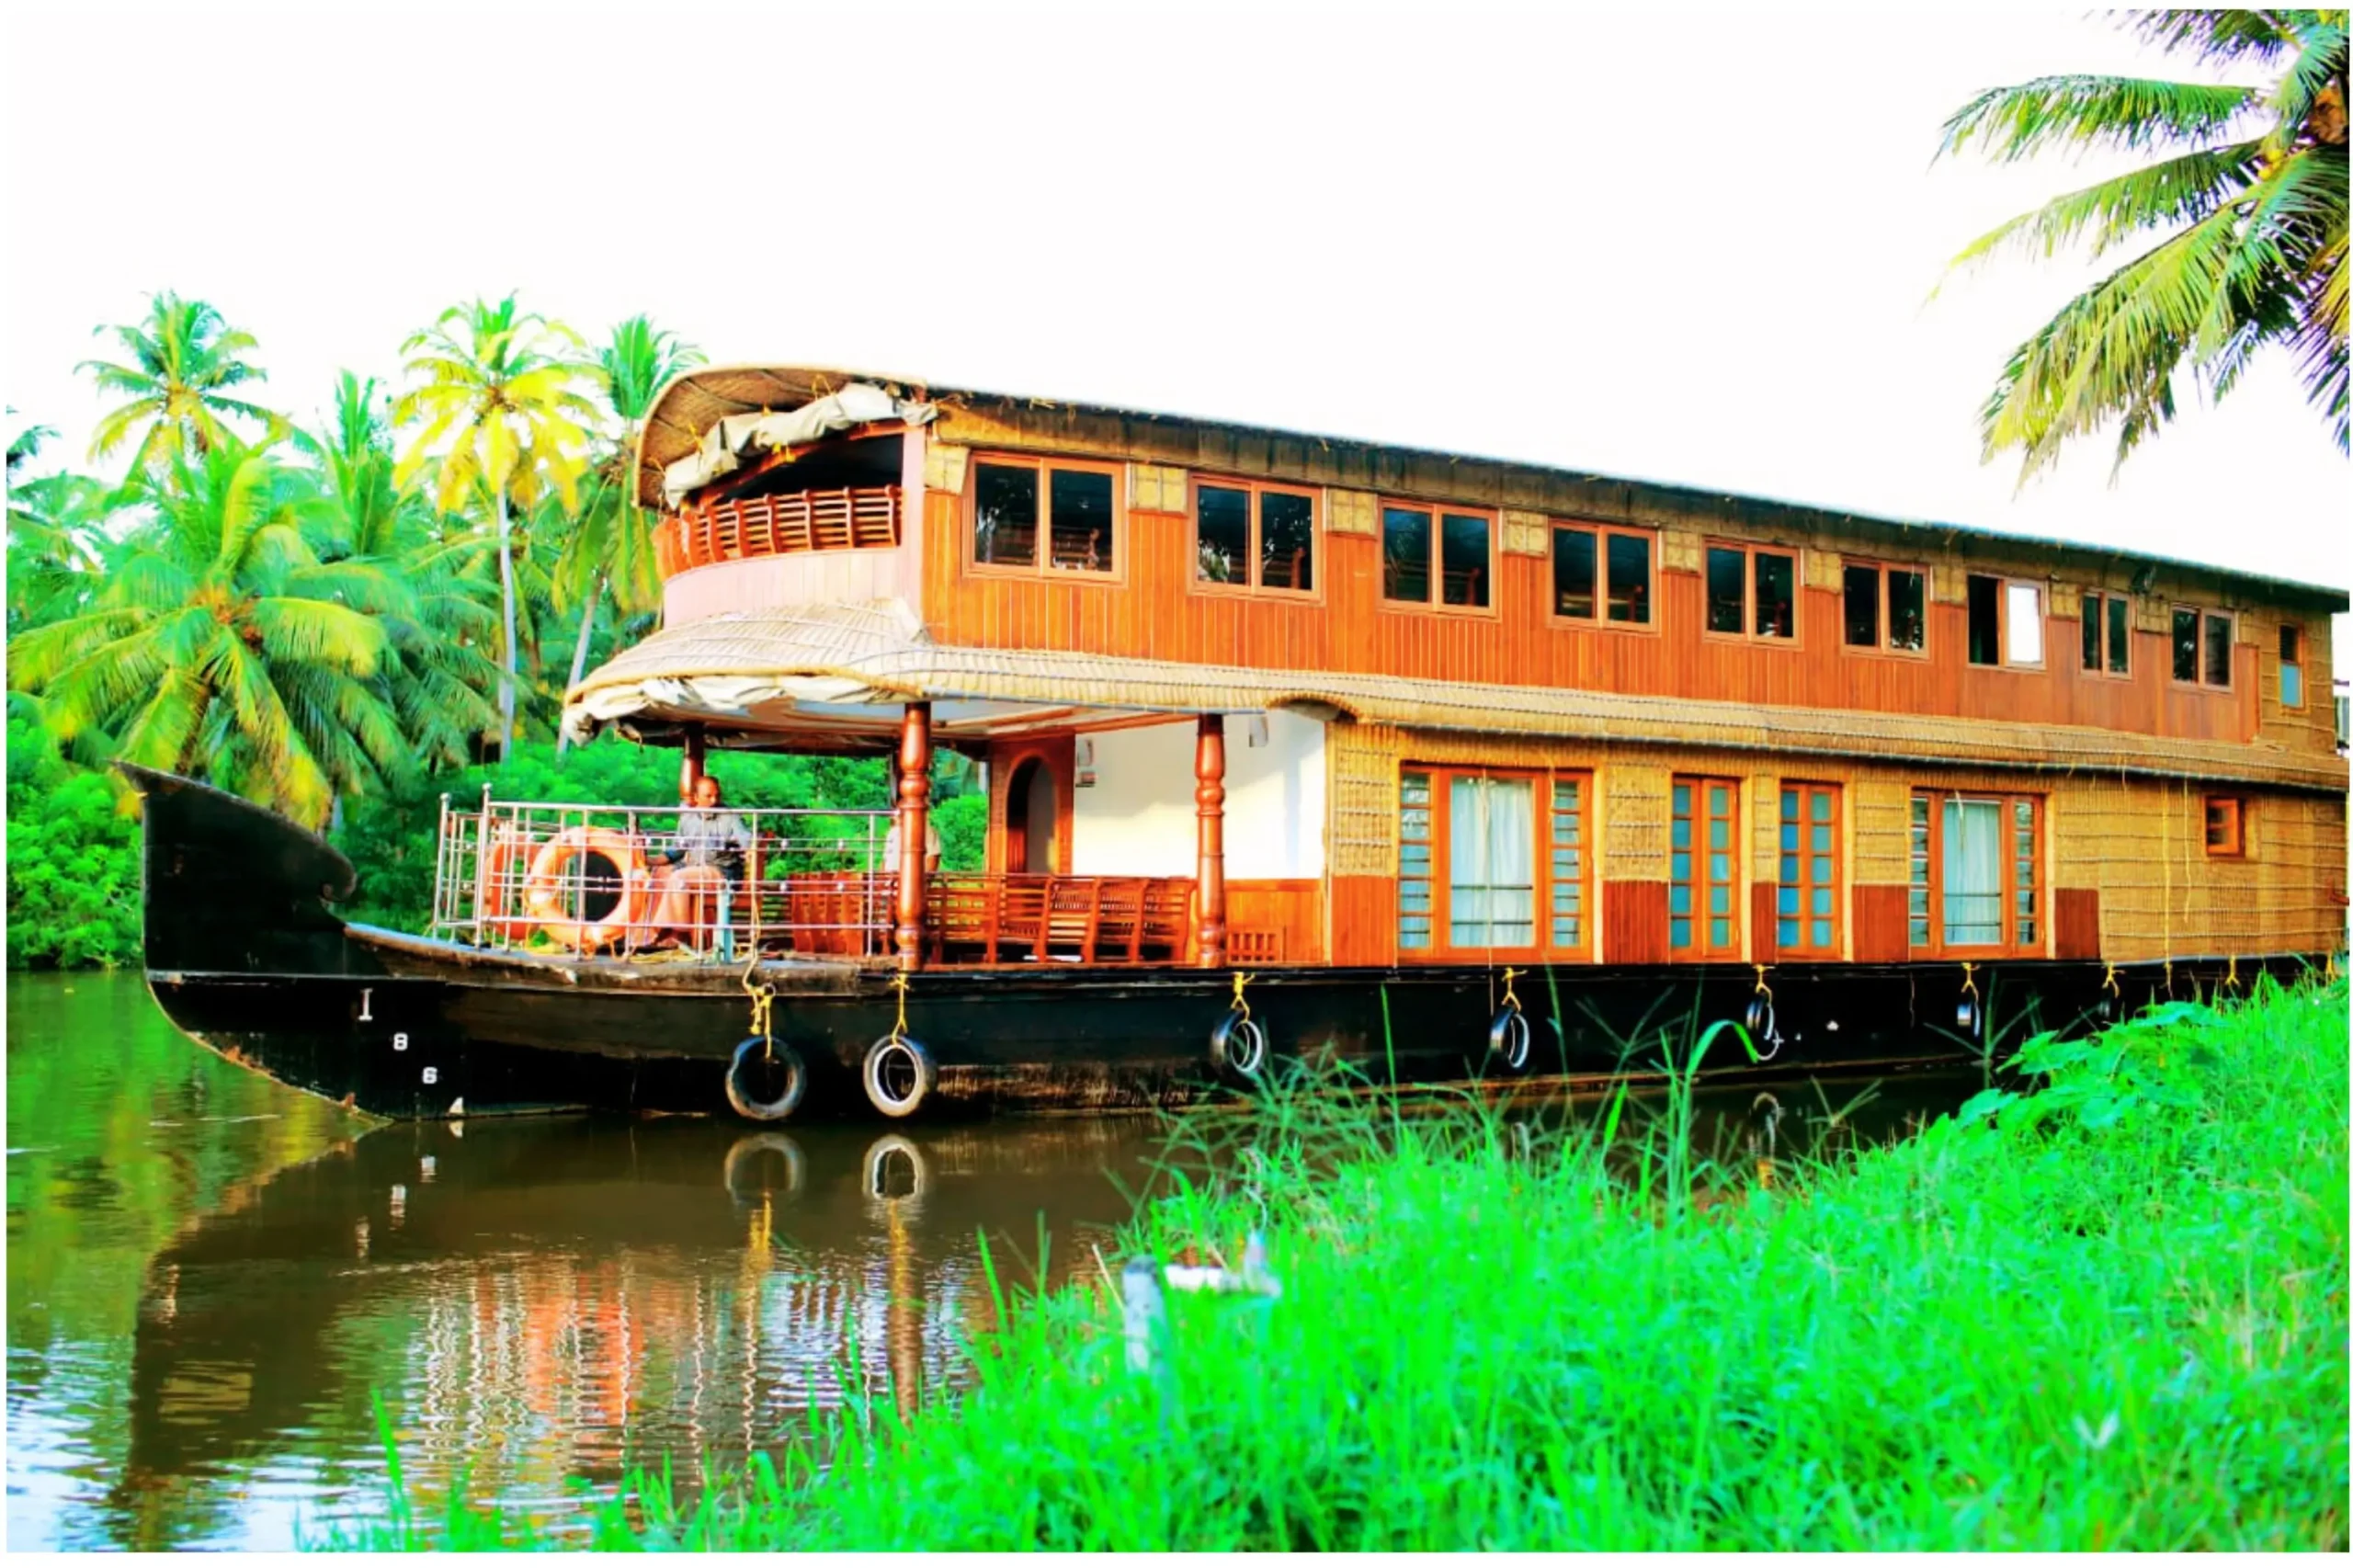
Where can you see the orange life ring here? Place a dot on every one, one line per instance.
(543, 888)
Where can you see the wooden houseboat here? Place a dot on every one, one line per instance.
(1443, 765)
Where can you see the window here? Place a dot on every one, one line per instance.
(1254, 536)
(1702, 920)
(2107, 634)
(1752, 593)
(1976, 879)
(2291, 666)
(2225, 828)
(1072, 508)
(1598, 571)
(2004, 623)
(1887, 607)
(1806, 912)
(1475, 876)
(2202, 648)
(1421, 545)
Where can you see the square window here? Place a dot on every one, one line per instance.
(2225, 827)
(1286, 540)
(1464, 539)
(1005, 529)
(1985, 621)
(1081, 519)
(2218, 650)
(1863, 606)
(2291, 668)
(1630, 579)
(2022, 623)
(1222, 534)
(1575, 576)
(1727, 591)
(1404, 555)
(1776, 594)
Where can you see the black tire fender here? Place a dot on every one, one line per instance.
(1509, 1040)
(752, 1054)
(1238, 1045)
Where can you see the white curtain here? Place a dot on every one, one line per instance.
(2025, 622)
(1491, 854)
(1972, 873)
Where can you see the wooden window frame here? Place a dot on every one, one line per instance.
(2235, 842)
(1881, 649)
(2094, 604)
(1435, 604)
(1748, 551)
(1043, 569)
(2203, 615)
(2009, 946)
(1805, 788)
(1441, 950)
(2293, 628)
(1319, 557)
(2002, 586)
(1736, 880)
(1599, 621)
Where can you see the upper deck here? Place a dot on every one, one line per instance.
(1017, 525)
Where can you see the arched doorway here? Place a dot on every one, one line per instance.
(1029, 818)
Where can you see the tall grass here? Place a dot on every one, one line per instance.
(2109, 1312)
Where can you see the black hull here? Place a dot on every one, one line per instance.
(402, 1027)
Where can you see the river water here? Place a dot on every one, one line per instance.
(213, 1280)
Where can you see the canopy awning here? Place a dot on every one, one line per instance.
(730, 440)
(837, 673)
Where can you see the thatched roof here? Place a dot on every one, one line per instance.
(688, 408)
(831, 669)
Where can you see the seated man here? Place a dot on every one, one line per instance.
(692, 889)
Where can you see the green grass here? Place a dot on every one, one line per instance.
(2112, 1313)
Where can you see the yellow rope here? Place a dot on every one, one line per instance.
(1241, 979)
(1511, 997)
(2329, 971)
(763, 1005)
(2232, 979)
(2108, 982)
(1969, 979)
(899, 985)
(1762, 989)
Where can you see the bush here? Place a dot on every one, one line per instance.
(73, 876)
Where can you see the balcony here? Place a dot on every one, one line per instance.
(801, 523)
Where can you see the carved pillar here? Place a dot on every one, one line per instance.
(1208, 798)
(690, 763)
(915, 815)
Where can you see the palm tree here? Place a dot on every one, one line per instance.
(223, 646)
(2249, 196)
(55, 528)
(501, 411)
(438, 673)
(613, 544)
(182, 361)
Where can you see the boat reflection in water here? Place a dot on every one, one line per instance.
(544, 1302)
(540, 1301)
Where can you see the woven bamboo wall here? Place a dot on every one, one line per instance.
(2137, 845)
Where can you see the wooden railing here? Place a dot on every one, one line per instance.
(866, 519)
(1095, 920)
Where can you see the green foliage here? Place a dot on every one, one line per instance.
(73, 876)
(179, 366)
(2250, 198)
(2119, 1323)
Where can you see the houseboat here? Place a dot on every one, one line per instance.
(1293, 745)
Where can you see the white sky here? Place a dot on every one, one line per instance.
(1697, 250)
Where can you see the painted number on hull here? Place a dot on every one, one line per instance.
(367, 995)
(433, 1074)
(400, 1043)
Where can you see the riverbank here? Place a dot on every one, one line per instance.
(2110, 1313)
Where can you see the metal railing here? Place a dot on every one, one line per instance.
(582, 880)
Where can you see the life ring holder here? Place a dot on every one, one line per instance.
(1238, 1041)
(1509, 1040)
(544, 887)
(898, 1074)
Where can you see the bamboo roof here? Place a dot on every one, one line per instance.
(688, 408)
(748, 674)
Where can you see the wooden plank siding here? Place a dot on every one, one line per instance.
(1152, 609)
(2123, 866)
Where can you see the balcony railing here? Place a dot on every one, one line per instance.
(862, 518)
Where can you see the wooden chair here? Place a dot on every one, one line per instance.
(1020, 917)
(1119, 920)
(1167, 918)
(1071, 912)
(959, 917)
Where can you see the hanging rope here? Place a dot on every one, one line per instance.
(2108, 982)
(1241, 1005)
(763, 997)
(2231, 981)
(1511, 997)
(899, 985)
(1969, 979)
(1762, 989)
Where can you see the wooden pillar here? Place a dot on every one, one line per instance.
(1209, 799)
(690, 763)
(915, 817)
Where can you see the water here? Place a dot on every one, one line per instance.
(211, 1278)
